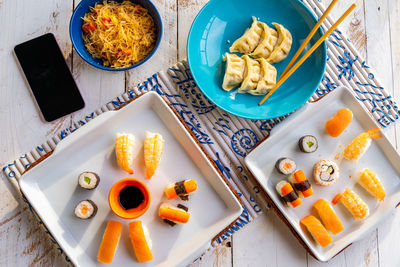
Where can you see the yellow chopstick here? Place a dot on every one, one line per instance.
(309, 52)
(310, 35)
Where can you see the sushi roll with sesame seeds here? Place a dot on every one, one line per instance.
(326, 172)
(85, 209)
(285, 166)
(308, 144)
(88, 180)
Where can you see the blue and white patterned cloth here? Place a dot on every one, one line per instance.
(227, 139)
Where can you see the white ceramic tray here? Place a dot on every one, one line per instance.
(51, 187)
(283, 142)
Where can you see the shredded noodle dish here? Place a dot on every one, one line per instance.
(121, 34)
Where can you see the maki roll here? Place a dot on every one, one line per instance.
(326, 172)
(301, 184)
(308, 144)
(173, 214)
(288, 195)
(285, 166)
(85, 209)
(181, 189)
(88, 180)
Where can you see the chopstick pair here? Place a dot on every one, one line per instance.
(289, 69)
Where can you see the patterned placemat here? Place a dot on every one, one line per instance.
(225, 138)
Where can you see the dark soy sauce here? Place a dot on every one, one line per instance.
(131, 197)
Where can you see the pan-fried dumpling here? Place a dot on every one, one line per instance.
(269, 38)
(234, 71)
(251, 75)
(282, 48)
(249, 40)
(267, 78)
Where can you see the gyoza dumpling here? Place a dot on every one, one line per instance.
(251, 75)
(234, 71)
(269, 38)
(249, 40)
(282, 48)
(267, 78)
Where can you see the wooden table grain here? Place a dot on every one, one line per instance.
(374, 28)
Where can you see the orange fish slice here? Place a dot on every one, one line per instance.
(328, 216)
(153, 148)
(181, 189)
(109, 242)
(124, 145)
(338, 123)
(140, 241)
(317, 230)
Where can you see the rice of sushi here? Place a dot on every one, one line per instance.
(308, 144)
(285, 166)
(88, 180)
(85, 209)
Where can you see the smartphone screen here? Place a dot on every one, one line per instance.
(49, 77)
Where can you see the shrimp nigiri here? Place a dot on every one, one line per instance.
(353, 203)
(124, 145)
(360, 144)
(153, 148)
(371, 182)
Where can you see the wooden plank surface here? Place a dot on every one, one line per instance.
(373, 28)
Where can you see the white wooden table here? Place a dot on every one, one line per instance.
(374, 28)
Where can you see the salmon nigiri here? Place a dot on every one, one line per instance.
(338, 123)
(317, 230)
(173, 214)
(371, 182)
(124, 145)
(109, 242)
(328, 216)
(140, 241)
(181, 189)
(301, 184)
(360, 144)
(353, 203)
(153, 148)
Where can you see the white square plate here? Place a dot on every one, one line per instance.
(51, 187)
(283, 142)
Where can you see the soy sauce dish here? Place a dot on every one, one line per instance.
(129, 198)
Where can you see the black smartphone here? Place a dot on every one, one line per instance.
(49, 77)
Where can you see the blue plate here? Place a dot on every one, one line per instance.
(75, 32)
(221, 21)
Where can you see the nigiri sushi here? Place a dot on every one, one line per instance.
(338, 123)
(301, 184)
(360, 144)
(353, 203)
(328, 216)
(124, 145)
(153, 148)
(140, 241)
(326, 172)
(317, 230)
(371, 182)
(109, 242)
(288, 195)
(175, 214)
(181, 189)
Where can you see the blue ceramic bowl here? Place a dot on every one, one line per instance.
(221, 21)
(75, 31)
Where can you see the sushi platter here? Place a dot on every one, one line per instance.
(331, 178)
(75, 190)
